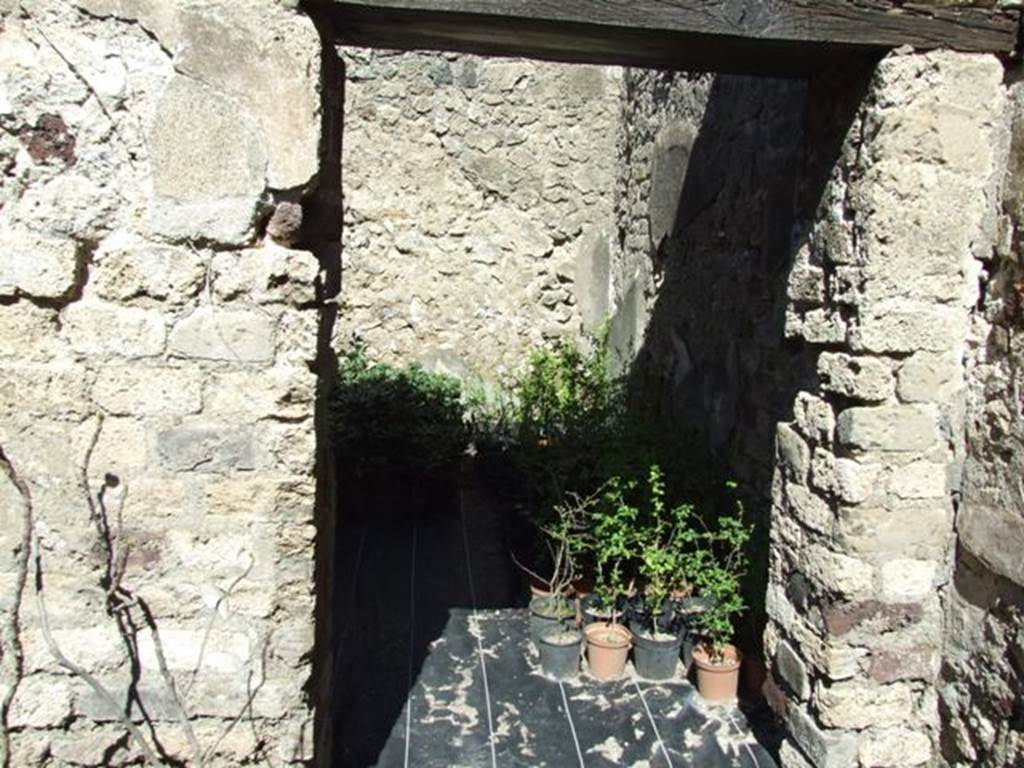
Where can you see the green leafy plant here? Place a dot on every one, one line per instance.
(719, 578)
(668, 546)
(567, 406)
(388, 419)
(613, 543)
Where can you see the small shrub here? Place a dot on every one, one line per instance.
(390, 420)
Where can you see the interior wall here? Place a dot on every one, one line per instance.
(479, 196)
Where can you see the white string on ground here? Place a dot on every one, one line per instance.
(478, 633)
(572, 726)
(654, 725)
(757, 763)
(412, 633)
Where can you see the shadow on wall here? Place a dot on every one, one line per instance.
(716, 362)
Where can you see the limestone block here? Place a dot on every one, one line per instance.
(287, 498)
(856, 481)
(906, 581)
(128, 269)
(826, 749)
(209, 165)
(296, 337)
(817, 326)
(41, 701)
(925, 378)
(99, 328)
(268, 61)
(213, 333)
(860, 378)
(889, 428)
(838, 574)
(286, 446)
(206, 448)
(154, 497)
(895, 748)
(901, 326)
(919, 480)
(36, 265)
(225, 652)
(920, 529)
(58, 391)
(857, 704)
(94, 648)
(806, 281)
(266, 275)
(278, 393)
(159, 391)
(28, 332)
(121, 449)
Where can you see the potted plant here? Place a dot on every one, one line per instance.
(613, 546)
(665, 538)
(716, 658)
(564, 537)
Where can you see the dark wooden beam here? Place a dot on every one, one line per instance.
(781, 37)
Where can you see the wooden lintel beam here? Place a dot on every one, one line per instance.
(765, 36)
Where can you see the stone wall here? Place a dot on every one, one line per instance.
(479, 199)
(149, 332)
(814, 274)
(982, 681)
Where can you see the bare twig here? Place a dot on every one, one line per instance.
(11, 628)
(100, 690)
(168, 678)
(252, 692)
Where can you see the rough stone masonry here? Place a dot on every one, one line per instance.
(824, 277)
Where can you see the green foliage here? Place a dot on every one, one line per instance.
(388, 419)
(720, 576)
(668, 545)
(565, 411)
(612, 540)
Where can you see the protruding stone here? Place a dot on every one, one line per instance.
(213, 333)
(267, 275)
(792, 669)
(794, 454)
(860, 378)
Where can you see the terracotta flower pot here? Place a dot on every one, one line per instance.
(607, 649)
(717, 681)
